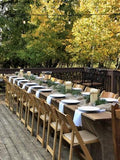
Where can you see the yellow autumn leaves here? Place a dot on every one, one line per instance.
(94, 35)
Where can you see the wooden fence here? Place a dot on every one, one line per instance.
(106, 78)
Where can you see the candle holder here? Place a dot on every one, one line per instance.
(93, 96)
(68, 85)
(29, 73)
(21, 73)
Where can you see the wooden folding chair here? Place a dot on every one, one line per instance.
(105, 94)
(12, 97)
(87, 89)
(42, 117)
(116, 130)
(59, 81)
(10, 94)
(75, 137)
(118, 99)
(33, 109)
(7, 92)
(24, 106)
(19, 101)
(75, 85)
(47, 76)
(53, 79)
(53, 123)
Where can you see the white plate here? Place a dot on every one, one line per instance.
(57, 95)
(77, 89)
(70, 101)
(89, 108)
(46, 90)
(109, 99)
(85, 93)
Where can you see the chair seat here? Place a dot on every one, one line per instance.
(87, 137)
(53, 125)
(43, 116)
(31, 110)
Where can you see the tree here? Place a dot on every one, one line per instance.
(54, 24)
(14, 22)
(96, 33)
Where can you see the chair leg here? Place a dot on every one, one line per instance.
(60, 144)
(54, 143)
(11, 103)
(18, 109)
(48, 134)
(32, 123)
(28, 112)
(26, 108)
(71, 146)
(43, 134)
(37, 133)
(41, 138)
(51, 149)
(38, 123)
(24, 118)
(21, 112)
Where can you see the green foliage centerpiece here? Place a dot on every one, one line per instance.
(100, 101)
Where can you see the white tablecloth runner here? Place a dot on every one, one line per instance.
(21, 78)
(11, 78)
(37, 93)
(26, 84)
(48, 100)
(77, 119)
(61, 107)
(18, 83)
(31, 87)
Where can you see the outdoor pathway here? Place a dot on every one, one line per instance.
(16, 143)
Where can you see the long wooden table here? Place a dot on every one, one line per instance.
(101, 125)
(97, 123)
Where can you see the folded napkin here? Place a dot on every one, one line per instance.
(17, 78)
(77, 119)
(31, 87)
(37, 93)
(11, 78)
(26, 84)
(48, 100)
(61, 107)
(18, 83)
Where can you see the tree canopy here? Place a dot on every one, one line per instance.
(51, 33)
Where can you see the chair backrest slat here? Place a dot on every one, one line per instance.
(78, 86)
(40, 103)
(105, 94)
